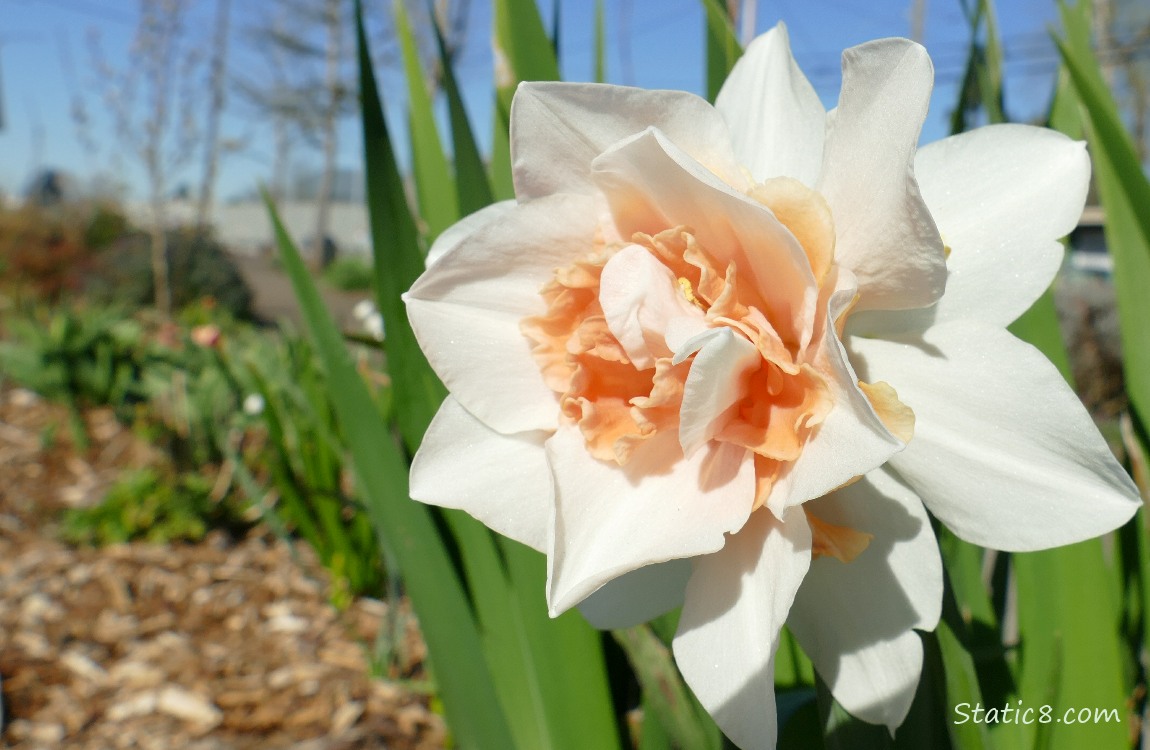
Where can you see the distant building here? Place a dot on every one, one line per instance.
(245, 228)
(1088, 251)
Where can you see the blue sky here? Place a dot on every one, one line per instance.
(45, 61)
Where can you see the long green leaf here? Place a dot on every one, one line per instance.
(982, 78)
(792, 667)
(404, 527)
(522, 41)
(664, 694)
(960, 678)
(523, 52)
(567, 654)
(972, 640)
(1125, 195)
(556, 26)
(723, 49)
(990, 74)
(1067, 609)
(398, 261)
(504, 645)
(471, 182)
(600, 45)
(548, 675)
(434, 185)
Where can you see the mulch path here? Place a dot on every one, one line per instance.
(220, 645)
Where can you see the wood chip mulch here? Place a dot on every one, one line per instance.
(221, 645)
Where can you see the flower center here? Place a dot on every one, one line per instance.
(622, 372)
(658, 335)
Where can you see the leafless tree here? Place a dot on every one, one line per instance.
(151, 99)
(217, 87)
(334, 27)
(305, 88)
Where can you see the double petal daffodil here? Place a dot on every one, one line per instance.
(727, 358)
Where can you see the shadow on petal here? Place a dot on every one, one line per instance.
(856, 620)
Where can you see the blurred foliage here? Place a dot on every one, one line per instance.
(349, 273)
(86, 356)
(302, 459)
(150, 505)
(106, 225)
(188, 388)
(45, 252)
(198, 267)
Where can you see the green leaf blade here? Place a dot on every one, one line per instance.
(397, 261)
(434, 185)
(404, 527)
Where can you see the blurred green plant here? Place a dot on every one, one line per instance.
(154, 506)
(303, 459)
(79, 357)
(199, 267)
(106, 224)
(193, 390)
(349, 273)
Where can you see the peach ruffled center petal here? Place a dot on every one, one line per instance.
(840, 542)
(620, 347)
(896, 415)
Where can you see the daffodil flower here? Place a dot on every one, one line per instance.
(726, 358)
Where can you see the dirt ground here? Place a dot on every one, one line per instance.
(228, 644)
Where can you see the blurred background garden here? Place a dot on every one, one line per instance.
(201, 436)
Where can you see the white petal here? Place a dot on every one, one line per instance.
(557, 129)
(851, 440)
(777, 121)
(691, 344)
(737, 601)
(610, 519)
(502, 480)
(451, 237)
(466, 309)
(652, 185)
(686, 335)
(639, 297)
(885, 233)
(716, 381)
(855, 620)
(1003, 452)
(1002, 196)
(638, 596)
